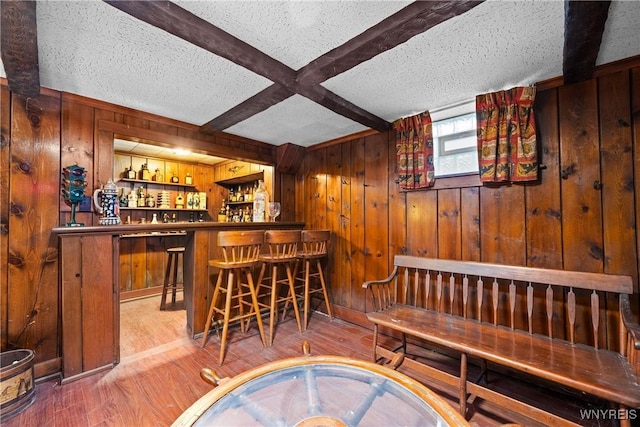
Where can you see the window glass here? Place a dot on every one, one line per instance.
(454, 146)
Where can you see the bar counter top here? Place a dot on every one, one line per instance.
(173, 227)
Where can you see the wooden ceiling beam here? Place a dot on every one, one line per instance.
(584, 23)
(259, 102)
(19, 41)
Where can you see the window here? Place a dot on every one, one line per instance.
(455, 146)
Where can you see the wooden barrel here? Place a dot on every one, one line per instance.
(17, 390)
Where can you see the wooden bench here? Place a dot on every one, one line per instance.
(572, 328)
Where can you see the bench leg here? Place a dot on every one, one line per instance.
(375, 343)
(463, 384)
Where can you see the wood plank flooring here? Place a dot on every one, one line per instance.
(158, 376)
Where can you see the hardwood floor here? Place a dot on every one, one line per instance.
(158, 376)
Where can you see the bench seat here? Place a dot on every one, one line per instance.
(571, 328)
(603, 373)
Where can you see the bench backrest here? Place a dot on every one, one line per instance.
(576, 306)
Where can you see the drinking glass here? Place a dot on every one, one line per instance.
(274, 210)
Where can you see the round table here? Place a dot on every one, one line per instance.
(331, 391)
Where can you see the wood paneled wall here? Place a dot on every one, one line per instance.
(581, 215)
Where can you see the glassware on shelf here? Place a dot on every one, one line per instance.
(274, 210)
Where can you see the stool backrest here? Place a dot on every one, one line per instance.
(314, 242)
(240, 246)
(282, 243)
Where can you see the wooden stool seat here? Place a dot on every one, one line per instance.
(173, 257)
(283, 247)
(314, 250)
(240, 252)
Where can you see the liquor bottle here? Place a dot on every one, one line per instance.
(150, 201)
(141, 197)
(158, 177)
(222, 213)
(239, 195)
(174, 178)
(131, 174)
(145, 174)
(188, 180)
(179, 201)
(232, 195)
(260, 202)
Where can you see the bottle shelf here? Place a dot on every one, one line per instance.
(162, 209)
(170, 184)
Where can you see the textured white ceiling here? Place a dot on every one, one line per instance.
(92, 49)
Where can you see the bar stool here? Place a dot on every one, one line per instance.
(240, 252)
(172, 272)
(314, 250)
(283, 247)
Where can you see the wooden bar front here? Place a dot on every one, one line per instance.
(89, 260)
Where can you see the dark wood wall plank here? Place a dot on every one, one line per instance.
(78, 148)
(357, 220)
(544, 211)
(580, 170)
(449, 224)
(376, 203)
(616, 158)
(340, 290)
(470, 217)
(635, 117)
(34, 211)
(5, 146)
(502, 224)
(422, 223)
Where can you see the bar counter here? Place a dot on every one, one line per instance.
(89, 278)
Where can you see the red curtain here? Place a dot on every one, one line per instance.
(414, 148)
(507, 147)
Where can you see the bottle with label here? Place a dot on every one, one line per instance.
(188, 180)
(179, 201)
(174, 178)
(141, 197)
(150, 201)
(260, 202)
(222, 213)
(239, 195)
(131, 174)
(145, 174)
(158, 177)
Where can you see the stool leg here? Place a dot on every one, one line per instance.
(292, 295)
(227, 314)
(256, 308)
(167, 276)
(324, 288)
(306, 293)
(212, 307)
(274, 301)
(258, 286)
(175, 279)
